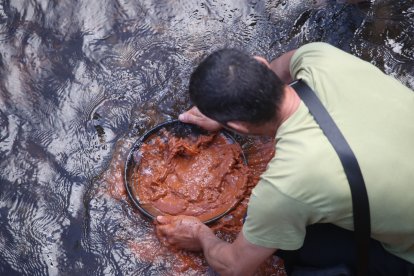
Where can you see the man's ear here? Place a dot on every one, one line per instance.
(262, 60)
(238, 126)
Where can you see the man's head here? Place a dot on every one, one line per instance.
(230, 85)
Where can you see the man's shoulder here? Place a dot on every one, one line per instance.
(319, 59)
(316, 46)
(320, 47)
(315, 51)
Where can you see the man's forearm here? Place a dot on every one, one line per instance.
(238, 258)
(219, 254)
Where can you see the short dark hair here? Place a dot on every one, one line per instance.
(230, 85)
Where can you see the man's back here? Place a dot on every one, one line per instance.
(375, 114)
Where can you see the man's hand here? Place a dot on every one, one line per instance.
(190, 233)
(194, 116)
(180, 231)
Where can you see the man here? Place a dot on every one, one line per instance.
(301, 208)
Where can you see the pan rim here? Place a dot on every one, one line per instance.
(136, 145)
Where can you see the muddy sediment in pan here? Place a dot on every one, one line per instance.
(203, 176)
(258, 152)
(200, 174)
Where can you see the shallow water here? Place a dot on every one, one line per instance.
(81, 80)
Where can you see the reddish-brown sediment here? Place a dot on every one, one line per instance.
(259, 152)
(201, 176)
(147, 247)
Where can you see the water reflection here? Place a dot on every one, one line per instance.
(81, 80)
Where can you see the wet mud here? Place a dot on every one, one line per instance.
(203, 176)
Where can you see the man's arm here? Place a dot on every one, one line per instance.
(281, 65)
(238, 258)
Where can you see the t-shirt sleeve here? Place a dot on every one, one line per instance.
(327, 69)
(279, 209)
(294, 192)
(319, 61)
(317, 56)
(275, 221)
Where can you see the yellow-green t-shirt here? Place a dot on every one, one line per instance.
(305, 182)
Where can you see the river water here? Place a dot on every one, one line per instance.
(82, 80)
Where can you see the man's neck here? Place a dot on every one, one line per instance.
(290, 104)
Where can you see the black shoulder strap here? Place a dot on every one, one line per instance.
(360, 204)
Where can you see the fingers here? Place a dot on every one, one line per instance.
(194, 116)
(164, 219)
(179, 231)
(163, 230)
(164, 235)
(166, 224)
(195, 111)
(191, 116)
(187, 118)
(167, 232)
(163, 227)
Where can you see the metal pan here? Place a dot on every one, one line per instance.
(179, 129)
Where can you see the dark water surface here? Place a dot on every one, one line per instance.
(81, 80)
